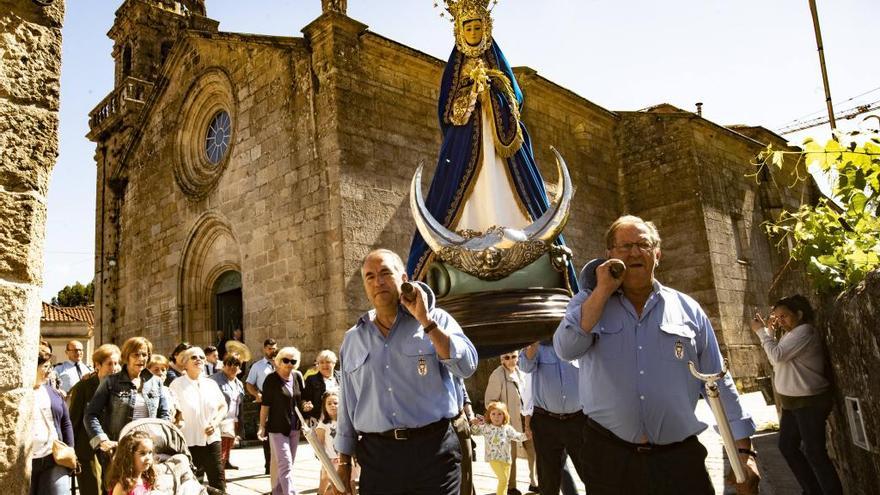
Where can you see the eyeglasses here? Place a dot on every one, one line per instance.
(507, 358)
(627, 247)
(195, 357)
(288, 361)
(75, 350)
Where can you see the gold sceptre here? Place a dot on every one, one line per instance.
(714, 399)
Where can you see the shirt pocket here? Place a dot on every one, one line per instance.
(422, 356)
(678, 342)
(608, 339)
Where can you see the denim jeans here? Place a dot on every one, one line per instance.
(48, 478)
(802, 444)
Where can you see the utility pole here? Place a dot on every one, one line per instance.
(822, 64)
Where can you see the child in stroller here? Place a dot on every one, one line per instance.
(176, 475)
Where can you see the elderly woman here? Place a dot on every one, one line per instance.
(282, 391)
(233, 392)
(325, 380)
(51, 421)
(506, 384)
(203, 408)
(132, 393)
(804, 392)
(105, 360)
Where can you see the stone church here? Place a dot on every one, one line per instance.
(242, 178)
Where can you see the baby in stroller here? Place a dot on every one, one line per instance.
(175, 474)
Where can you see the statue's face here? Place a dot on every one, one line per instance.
(473, 32)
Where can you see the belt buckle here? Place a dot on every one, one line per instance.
(644, 449)
(400, 434)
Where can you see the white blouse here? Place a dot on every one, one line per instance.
(201, 403)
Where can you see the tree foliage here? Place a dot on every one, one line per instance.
(838, 239)
(75, 295)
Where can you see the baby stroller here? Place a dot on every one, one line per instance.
(176, 473)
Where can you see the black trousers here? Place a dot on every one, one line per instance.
(462, 428)
(427, 464)
(554, 438)
(802, 444)
(207, 460)
(611, 466)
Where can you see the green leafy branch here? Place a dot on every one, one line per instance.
(837, 239)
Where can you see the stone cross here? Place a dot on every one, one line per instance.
(338, 6)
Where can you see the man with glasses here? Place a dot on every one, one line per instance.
(254, 385)
(399, 392)
(71, 371)
(633, 339)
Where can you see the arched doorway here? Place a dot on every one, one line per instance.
(226, 296)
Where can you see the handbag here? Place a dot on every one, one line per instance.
(65, 456)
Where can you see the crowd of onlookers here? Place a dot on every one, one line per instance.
(85, 408)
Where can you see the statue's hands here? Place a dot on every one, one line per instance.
(604, 279)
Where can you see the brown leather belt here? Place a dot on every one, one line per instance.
(408, 433)
(640, 448)
(559, 416)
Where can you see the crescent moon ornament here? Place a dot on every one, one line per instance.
(500, 251)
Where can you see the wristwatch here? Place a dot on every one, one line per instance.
(431, 326)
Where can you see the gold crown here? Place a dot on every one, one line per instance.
(462, 11)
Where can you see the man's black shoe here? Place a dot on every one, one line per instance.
(513, 491)
(534, 489)
(229, 465)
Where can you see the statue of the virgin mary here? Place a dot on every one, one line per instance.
(486, 175)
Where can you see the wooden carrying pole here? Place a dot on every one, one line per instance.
(822, 64)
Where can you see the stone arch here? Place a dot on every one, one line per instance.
(211, 250)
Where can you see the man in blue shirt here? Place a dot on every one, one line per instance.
(633, 339)
(254, 386)
(71, 371)
(399, 390)
(556, 420)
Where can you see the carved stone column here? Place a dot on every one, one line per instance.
(30, 39)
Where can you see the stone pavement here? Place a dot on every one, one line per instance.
(250, 480)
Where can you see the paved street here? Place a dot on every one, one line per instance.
(250, 480)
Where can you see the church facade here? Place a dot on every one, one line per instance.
(242, 178)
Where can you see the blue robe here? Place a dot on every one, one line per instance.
(460, 157)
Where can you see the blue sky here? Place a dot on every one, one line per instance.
(749, 62)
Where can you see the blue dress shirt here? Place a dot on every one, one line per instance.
(634, 376)
(68, 375)
(398, 381)
(554, 381)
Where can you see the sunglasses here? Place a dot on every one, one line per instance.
(288, 361)
(507, 358)
(196, 358)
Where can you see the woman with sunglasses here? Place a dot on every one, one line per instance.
(203, 407)
(506, 385)
(282, 392)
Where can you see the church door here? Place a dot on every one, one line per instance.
(227, 303)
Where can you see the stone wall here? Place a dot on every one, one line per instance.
(328, 130)
(29, 93)
(264, 217)
(850, 323)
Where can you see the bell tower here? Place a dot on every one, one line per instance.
(144, 34)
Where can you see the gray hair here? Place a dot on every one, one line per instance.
(653, 233)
